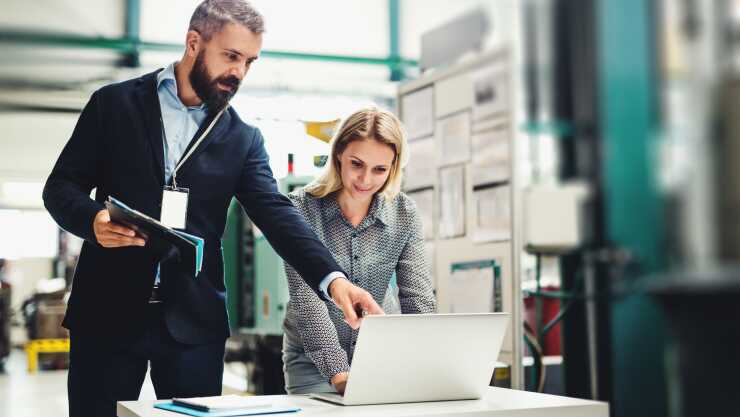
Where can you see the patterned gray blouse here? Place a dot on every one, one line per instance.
(389, 239)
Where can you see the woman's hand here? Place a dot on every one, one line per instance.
(339, 381)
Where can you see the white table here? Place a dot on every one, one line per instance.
(495, 402)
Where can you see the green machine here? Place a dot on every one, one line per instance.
(257, 296)
(270, 285)
(606, 91)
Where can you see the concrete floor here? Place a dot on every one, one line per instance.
(44, 393)
(31, 395)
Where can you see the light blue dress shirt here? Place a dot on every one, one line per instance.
(180, 124)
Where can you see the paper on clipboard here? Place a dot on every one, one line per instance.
(491, 160)
(492, 214)
(451, 201)
(422, 166)
(474, 288)
(453, 139)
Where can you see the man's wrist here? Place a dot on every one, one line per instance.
(336, 281)
(327, 281)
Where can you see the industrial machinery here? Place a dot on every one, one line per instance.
(257, 296)
(643, 98)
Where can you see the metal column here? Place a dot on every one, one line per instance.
(586, 328)
(628, 101)
(133, 23)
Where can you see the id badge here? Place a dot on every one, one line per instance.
(174, 207)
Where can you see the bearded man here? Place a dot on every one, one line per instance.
(168, 145)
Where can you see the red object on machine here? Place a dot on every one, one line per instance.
(550, 308)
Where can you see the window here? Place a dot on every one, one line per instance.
(27, 234)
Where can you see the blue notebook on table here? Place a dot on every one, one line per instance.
(246, 412)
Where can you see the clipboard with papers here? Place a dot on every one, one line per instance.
(159, 237)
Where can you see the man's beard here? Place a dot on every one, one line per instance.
(207, 89)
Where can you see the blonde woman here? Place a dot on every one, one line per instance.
(372, 229)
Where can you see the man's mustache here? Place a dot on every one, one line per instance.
(231, 81)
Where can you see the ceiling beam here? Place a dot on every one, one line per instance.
(128, 44)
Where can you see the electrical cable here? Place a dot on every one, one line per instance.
(557, 317)
(536, 343)
(533, 371)
(535, 338)
(538, 368)
(564, 309)
(538, 301)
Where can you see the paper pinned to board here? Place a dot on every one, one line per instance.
(451, 202)
(475, 287)
(422, 166)
(453, 139)
(418, 113)
(491, 161)
(492, 214)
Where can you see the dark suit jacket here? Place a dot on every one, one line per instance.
(117, 148)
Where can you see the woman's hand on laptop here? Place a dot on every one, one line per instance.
(353, 300)
(339, 381)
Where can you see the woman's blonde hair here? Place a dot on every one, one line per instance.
(369, 123)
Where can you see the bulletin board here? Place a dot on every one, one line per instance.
(462, 175)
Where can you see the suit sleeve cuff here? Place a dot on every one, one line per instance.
(88, 213)
(324, 284)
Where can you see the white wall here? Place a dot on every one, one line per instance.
(83, 17)
(29, 147)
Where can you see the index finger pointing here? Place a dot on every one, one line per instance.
(350, 315)
(370, 306)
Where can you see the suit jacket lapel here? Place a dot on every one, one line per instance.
(216, 132)
(151, 113)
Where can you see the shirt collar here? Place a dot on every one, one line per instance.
(169, 74)
(381, 210)
(377, 211)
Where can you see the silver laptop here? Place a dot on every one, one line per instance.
(422, 357)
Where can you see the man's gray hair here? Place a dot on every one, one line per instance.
(212, 15)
